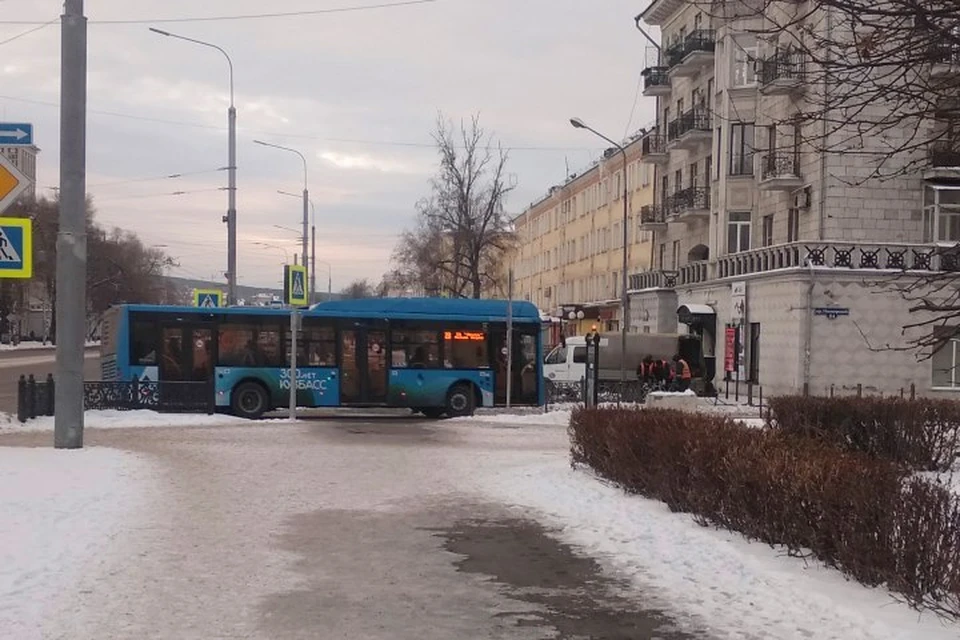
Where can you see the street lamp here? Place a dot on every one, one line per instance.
(306, 194)
(231, 217)
(313, 246)
(624, 300)
(286, 253)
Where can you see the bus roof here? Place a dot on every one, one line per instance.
(399, 308)
(444, 308)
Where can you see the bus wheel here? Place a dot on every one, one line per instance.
(249, 400)
(460, 401)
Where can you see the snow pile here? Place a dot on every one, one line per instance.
(736, 588)
(550, 419)
(125, 420)
(61, 510)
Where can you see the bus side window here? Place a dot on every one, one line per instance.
(579, 355)
(144, 338)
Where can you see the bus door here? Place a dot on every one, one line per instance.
(186, 354)
(524, 385)
(363, 370)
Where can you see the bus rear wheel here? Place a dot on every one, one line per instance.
(460, 401)
(249, 400)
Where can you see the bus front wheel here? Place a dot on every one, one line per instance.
(460, 401)
(249, 400)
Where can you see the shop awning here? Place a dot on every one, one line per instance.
(695, 310)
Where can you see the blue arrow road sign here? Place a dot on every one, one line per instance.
(16, 133)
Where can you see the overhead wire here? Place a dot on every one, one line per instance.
(254, 16)
(304, 136)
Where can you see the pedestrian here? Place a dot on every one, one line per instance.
(682, 374)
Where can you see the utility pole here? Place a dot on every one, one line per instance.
(72, 232)
(306, 237)
(313, 264)
(509, 345)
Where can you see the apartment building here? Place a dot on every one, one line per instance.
(780, 253)
(569, 254)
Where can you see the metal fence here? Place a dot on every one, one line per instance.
(36, 398)
(608, 392)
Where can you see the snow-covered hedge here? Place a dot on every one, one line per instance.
(922, 434)
(863, 515)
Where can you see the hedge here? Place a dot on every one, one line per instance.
(922, 434)
(860, 514)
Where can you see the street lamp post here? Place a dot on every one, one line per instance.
(306, 196)
(231, 217)
(624, 299)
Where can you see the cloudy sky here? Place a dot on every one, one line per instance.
(358, 92)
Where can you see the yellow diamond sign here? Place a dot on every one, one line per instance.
(12, 183)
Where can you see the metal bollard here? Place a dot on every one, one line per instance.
(50, 408)
(22, 399)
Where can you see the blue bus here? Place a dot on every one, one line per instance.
(438, 357)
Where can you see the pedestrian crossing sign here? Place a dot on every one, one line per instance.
(295, 285)
(16, 248)
(207, 298)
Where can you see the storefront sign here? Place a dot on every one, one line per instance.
(730, 353)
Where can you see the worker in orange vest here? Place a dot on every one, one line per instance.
(683, 374)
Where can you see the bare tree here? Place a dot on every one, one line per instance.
(358, 289)
(462, 230)
(120, 269)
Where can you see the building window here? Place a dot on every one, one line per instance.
(738, 232)
(944, 362)
(767, 238)
(741, 149)
(744, 70)
(676, 254)
(663, 255)
(693, 175)
(941, 214)
(793, 225)
(677, 180)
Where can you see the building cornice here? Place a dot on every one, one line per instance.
(660, 11)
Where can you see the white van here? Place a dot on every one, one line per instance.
(567, 362)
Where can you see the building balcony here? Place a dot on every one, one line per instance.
(694, 54)
(866, 256)
(944, 59)
(689, 204)
(653, 217)
(691, 129)
(780, 172)
(657, 279)
(782, 74)
(656, 82)
(837, 255)
(943, 161)
(653, 148)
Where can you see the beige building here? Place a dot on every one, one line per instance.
(783, 257)
(569, 253)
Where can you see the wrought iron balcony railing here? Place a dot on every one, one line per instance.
(689, 199)
(653, 143)
(779, 165)
(655, 77)
(783, 66)
(696, 119)
(943, 154)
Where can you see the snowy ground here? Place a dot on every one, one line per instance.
(241, 484)
(123, 420)
(60, 511)
(739, 589)
(32, 346)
